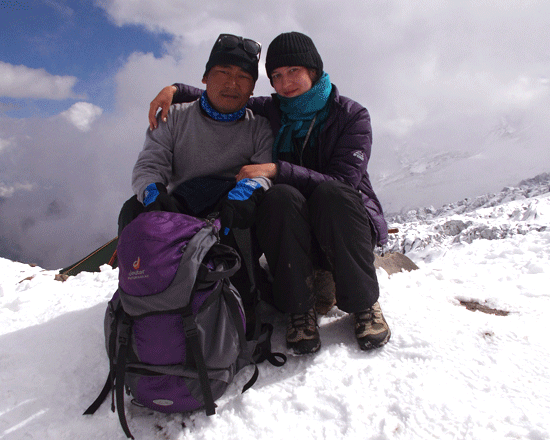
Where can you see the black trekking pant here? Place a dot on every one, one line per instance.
(331, 230)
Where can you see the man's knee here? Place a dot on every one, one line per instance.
(282, 193)
(281, 198)
(130, 210)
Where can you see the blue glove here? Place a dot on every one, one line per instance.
(239, 207)
(152, 192)
(156, 198)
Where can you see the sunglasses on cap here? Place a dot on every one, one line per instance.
(228, 41)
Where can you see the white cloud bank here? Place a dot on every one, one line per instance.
(25, 82)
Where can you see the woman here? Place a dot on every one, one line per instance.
(322, 210)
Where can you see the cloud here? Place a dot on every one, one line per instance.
(197, 22)
(82, 115)
(60, 8)
(434, 59)
(25, 82)
(61, 188)
(9, 191)
(5, 144)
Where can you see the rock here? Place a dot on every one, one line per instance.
(394, 262)
(454, 227)
(476, 306)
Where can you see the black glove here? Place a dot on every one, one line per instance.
(239, 207)
(156, 198)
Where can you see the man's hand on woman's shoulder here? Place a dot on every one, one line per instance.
(162, 101)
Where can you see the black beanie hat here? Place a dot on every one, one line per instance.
(292, 49)
(236, 56)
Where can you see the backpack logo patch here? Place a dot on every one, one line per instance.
(359, 155)
(137, 274)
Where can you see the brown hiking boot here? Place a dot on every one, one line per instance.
(323, 286)
(371, 329)
(302, 334)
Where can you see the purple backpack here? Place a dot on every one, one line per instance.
(175, 328)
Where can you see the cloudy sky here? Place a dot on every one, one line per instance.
(458, 91)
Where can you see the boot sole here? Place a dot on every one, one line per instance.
(367, 345)
(304, 346)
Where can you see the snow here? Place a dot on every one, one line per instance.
(447, 372)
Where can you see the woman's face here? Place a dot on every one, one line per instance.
(291, 81)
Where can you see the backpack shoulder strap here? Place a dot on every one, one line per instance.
(263, 348)
(124, 342)
(115, 310)
(262, 331)
(192, 337)
(101, 398)
(243, 239)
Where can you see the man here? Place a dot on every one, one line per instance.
(189, 163)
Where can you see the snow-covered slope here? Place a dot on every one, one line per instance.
(514, 210)
(447, 372)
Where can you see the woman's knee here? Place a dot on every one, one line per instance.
(334, 194)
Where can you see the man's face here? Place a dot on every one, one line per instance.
(228, 87)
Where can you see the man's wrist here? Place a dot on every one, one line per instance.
(152, 191)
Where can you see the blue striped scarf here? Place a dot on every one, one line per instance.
(216, 115)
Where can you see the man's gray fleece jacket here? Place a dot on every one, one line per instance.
(190, 144)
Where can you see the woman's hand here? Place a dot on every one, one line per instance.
(163, 101)
(268, 170)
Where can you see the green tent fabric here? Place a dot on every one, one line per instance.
(105, 254)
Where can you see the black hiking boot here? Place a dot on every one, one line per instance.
(371, 329)
(302, 335)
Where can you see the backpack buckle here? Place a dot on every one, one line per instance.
(124, 333)
(191, 332)
(190, 326)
